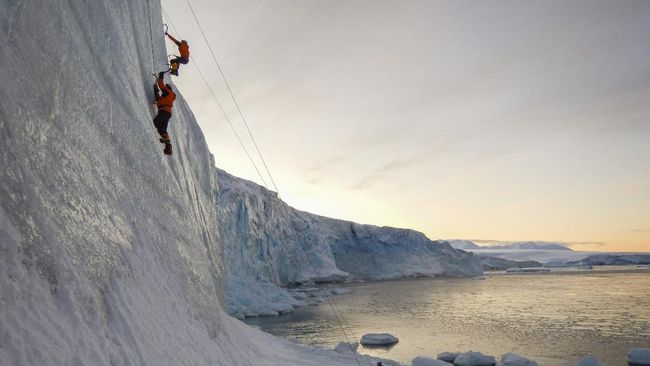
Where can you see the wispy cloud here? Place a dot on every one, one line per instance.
(317, 173)
(325, 164)
(638, 231)
(381, 172)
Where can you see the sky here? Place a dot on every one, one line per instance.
(491, 120)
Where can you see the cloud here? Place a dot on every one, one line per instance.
(325, 164)
(381, 172)
(638, 231)
(314, 174)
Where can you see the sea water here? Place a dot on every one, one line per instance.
(554, 318)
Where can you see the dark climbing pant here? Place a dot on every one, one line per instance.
(179, 60)
(161, 121)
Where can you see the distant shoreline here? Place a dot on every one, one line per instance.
(569, 270)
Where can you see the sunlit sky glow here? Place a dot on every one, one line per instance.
(495, 120)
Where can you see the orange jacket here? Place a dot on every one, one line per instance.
(183, 47)
(166, 101)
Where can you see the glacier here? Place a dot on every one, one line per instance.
(269, 245)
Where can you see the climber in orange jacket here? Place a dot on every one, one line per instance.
(184, 58)
(165, 102)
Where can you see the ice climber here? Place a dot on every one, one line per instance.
(165, 102)
(184, 58)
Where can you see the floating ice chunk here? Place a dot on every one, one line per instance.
(513, 359)
(587, 361)
(638, 357)
(378, 339)
(518, 270)
(339, 291)
(308, 289)
(344, 347)
(428, 361)
(448, 356)
(474, 359)
(315, 301)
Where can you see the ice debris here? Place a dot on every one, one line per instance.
(587, 361)
(344, 347)
(428, 361)
(448, 356)
(513, 359)
(378, 339)
(638, 357)
(474, 359)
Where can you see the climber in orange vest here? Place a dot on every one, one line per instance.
(184, 58)
(165, 102)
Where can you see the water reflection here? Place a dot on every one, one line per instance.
(556, 316)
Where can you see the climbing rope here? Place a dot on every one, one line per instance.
(194, 62)
(331, 302)
(338, 314)
(232, 95)
(153, 58)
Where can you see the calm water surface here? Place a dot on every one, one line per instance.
(551, 316)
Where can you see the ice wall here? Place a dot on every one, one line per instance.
(109, 252)
(266, 243)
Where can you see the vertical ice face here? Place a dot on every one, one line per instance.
(109, 253)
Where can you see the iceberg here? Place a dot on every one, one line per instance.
(513, 359)
(474, 359)
(638, 357)
(526, 270)
(428, 361)
(378, 339)
(448, 356)
(587, 361)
